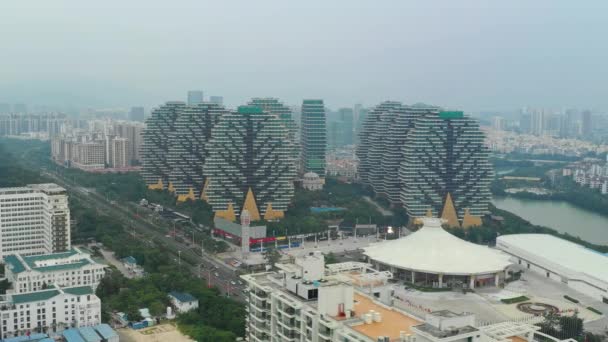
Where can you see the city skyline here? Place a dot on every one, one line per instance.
(482, 56)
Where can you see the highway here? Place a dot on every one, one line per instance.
(209, 269)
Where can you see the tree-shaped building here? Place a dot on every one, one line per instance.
(250, 165)
(187, 151)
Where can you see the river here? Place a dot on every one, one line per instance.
(559, 215)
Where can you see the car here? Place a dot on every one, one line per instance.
(216, 274)
(240, 282)
(233, 283)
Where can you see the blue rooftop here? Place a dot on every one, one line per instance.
(72, 335)
(105, 331)
(130, 260)
(182, 296)
(89, 334)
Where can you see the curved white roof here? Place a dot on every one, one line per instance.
(433, 250)
(557, 254)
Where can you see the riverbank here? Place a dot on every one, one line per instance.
(515, 224)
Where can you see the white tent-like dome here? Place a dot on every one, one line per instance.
(433, 250)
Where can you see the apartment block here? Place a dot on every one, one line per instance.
(34, 219)
(306, 301)
(51, 310)
(37, 272)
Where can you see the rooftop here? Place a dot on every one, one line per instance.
(72, 335)
(130, 260)
(79, 291)
(34, 296)
(47, 262)
(433, 250)
(89, 334)
(182, 296)
(439, 333)
(393, 322)
(562, 253)
(50, 293)
(105, 331)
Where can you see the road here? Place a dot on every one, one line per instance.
(206, 267)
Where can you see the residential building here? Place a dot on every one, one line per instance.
(67, 269)
(34, 219)
(347, 125)
(445, 157)
(284, 114)
(250, 165)
(89, 155)
(50, 310)
(217, 100)
(155, 147)
(132, 131)
(314, 137)
(416, 155)
(121, 153)
(183, 302)
(369, 137)
(586, 124)
(187, 149)
(195, 97)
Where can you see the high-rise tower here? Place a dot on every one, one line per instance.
(250, 165)
(155, 147)
(195, 97)
(187, 151)
(444, 156)
(314, 137)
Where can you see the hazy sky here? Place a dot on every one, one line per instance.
(473, 55)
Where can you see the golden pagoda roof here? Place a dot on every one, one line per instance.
(251, 206)
(449, 212)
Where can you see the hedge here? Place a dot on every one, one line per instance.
(573, 300)
(592, 309)
(515, 300)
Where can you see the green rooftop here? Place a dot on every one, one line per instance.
(14, 264)
(34, 296)
(33, 258)
(79, 291)
(250, 110)
(451, 115)
(69, 266)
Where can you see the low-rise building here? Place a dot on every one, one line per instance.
(183, 302)
(51, 310)
(131, 265)
(582, 269)
(312, 182)
(39, 272)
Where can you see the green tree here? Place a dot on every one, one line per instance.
(271, 255)
(330, 258)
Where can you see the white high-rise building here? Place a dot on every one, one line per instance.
(121, 153)
(34, 219)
